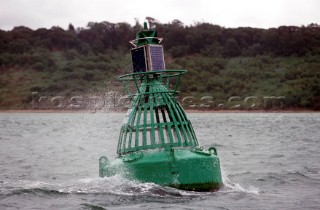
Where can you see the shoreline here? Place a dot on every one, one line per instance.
(186, 110)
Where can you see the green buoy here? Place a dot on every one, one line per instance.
(157, 142)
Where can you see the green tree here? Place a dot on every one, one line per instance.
(232, 48)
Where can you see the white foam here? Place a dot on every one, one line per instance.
(114, 184)
(236, 187)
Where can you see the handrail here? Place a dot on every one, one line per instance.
(132, 76)
(133, 42)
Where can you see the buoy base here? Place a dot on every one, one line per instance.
(188, 169)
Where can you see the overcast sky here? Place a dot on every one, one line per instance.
(228, 13)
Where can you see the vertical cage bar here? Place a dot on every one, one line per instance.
(137, 127)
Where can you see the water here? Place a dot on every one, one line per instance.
(50, 161)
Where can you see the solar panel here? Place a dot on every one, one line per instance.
(139, 59)
(156, 57)
(147, 58)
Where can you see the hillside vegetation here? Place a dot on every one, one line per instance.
(228, 68)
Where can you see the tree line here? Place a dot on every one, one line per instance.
(180, 40)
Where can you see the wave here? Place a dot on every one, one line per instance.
(27, 188)
(230, 186)
(115, 185)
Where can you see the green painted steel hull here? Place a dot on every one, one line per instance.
(188, 169)
(157, 142)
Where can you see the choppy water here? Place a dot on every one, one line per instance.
(50, 161)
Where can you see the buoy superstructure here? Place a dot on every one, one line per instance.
(157, 142)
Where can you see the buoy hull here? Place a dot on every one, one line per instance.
(187, 169)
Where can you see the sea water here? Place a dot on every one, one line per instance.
(50, 161)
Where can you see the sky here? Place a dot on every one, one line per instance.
(226, 13)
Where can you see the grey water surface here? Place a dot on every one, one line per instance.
(50, 161)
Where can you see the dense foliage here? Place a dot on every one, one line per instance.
(243, 68)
